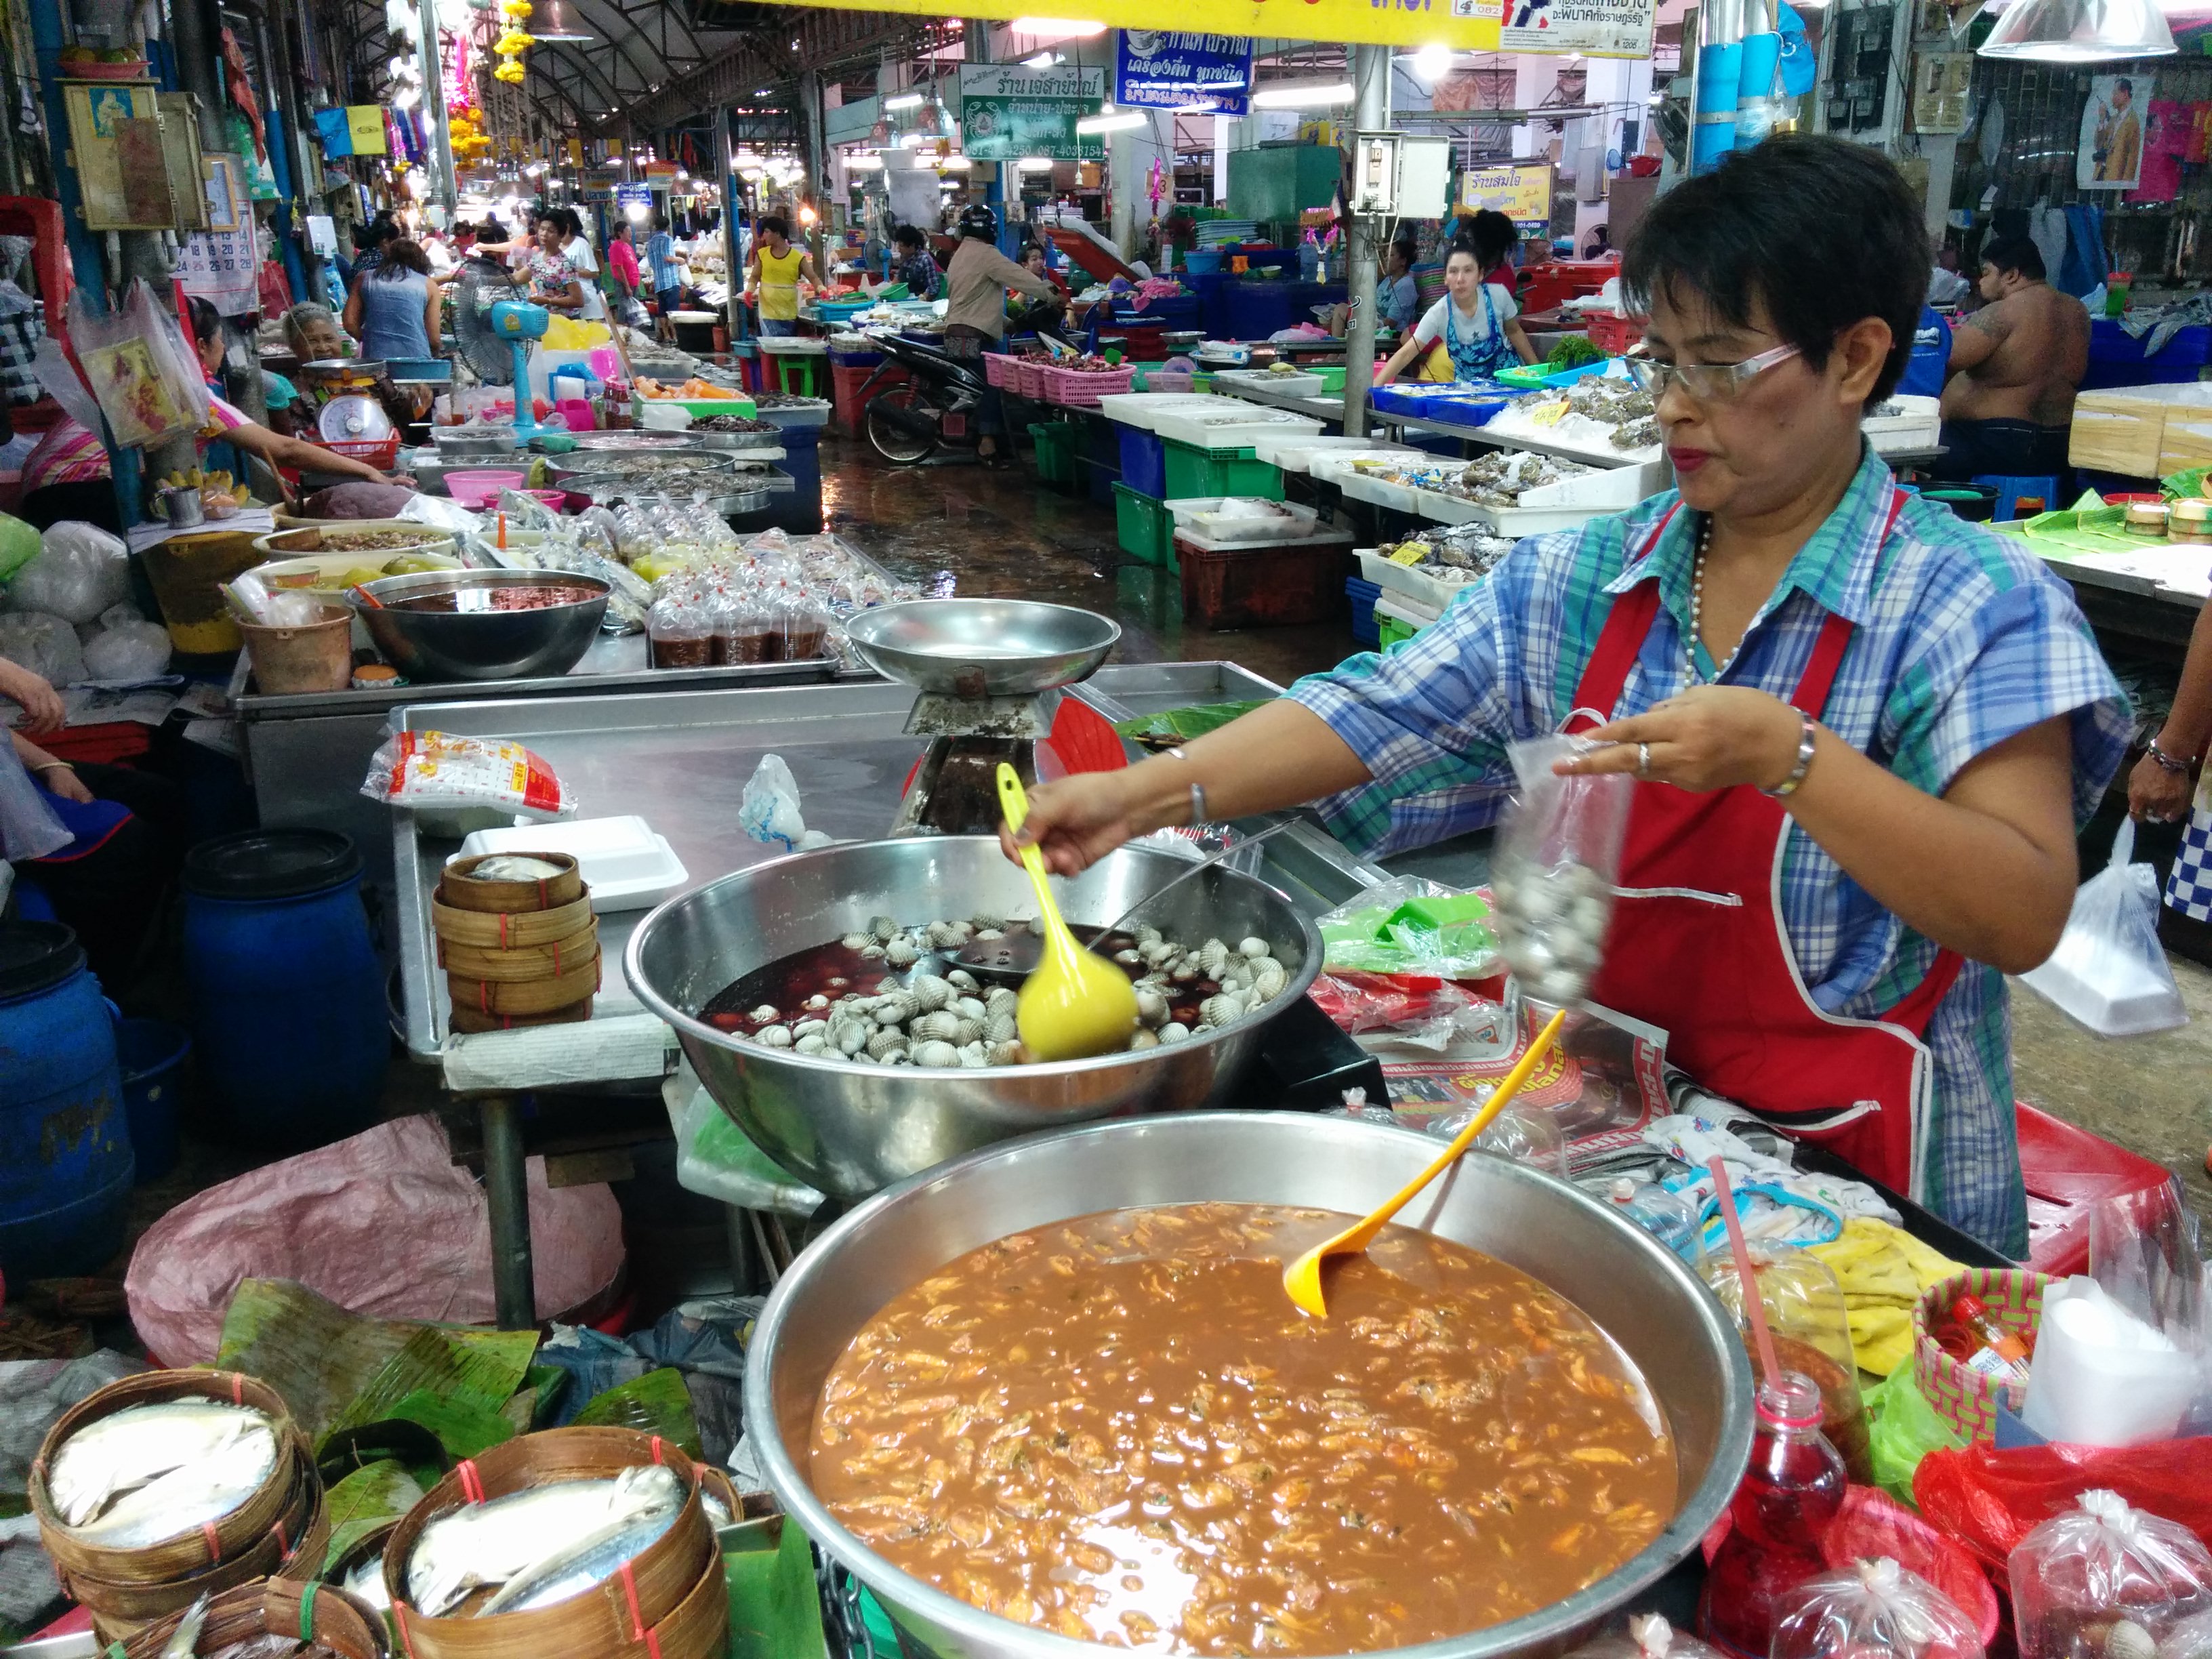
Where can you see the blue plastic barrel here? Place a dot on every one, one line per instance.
(288, 1010)
(65, 1160)
(151, 1053)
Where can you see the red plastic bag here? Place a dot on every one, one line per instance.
(1873, 1524)
(1989, 1500)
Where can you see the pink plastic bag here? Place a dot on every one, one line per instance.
(385, 1225)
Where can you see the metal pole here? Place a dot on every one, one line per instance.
(733, 309)
(507, 1194)
(433, 100)
(1370, 77)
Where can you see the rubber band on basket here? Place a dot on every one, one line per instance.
(471, 1482)
(307, 1611)
(237, 1389)
(638, 1630)
(213, 1542)
(399, 1610)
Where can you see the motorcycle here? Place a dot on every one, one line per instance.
(936, 405)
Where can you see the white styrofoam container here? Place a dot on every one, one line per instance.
(1382, 492)
(1286, 521)
(1406, 608)
(1918, 425)
(1205, 543)
(1252, 423)
(622, 861)
(1410, 580)
(1142, 409)
(1295, 386)
(1297, 453)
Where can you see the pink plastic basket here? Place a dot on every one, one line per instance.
(1081, 389)
(1002, 371)
(1029, 378)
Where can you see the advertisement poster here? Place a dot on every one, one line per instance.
(1596, 28)
(2109, 154)
(1160, 69)
(1008, 111)
(365, 123)
(1521, 191)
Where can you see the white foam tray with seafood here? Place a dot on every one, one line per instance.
(1226, 519)
(1293, 384)
(1143, 410)
(1904, 422)
(1570, 435)
(1298, 452)
(1335, 465)
(1418, 582)
(1232, 423)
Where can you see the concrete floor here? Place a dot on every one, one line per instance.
(999, 533)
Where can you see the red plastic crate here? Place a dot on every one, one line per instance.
(1613, 335)
(2067, 1170)
(1263, 587)
(379, 453)
(847, 412)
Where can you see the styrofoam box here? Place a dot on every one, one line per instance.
(1334, 464)
(1216, 519)
(1297, 452)
(1251, 422)
(1414, 583)
(1916, 425)
(1406, 608)
(1142, 409)
(1295, 386)
(1384, 492)
(626, 865)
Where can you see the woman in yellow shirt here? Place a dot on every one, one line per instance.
(774, 273)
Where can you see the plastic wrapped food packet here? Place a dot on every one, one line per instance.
(680, 633)
(1871, 1609)
(1522, 1134)
(2103, 1581)
(1647, 1636)
(805, 626)
(1552, 873)
(1812, 1327)
(427, 771)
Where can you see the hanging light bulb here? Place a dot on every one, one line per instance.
(554, 22)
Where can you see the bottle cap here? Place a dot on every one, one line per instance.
(1967, 1305)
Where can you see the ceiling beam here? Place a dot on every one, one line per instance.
(764, 58)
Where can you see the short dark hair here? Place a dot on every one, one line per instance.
(1490, 236)
(907, 236)
(404, 254)
(382, 230)
(2003, 254)
(1747, 235)
(774, 224)
(2124, 85)
(207, 321)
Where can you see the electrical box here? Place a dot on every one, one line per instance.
(1393, 173)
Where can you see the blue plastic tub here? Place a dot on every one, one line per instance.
(1202, 261)
(1463, 405)
(1144, 461)
(151, 1054)
(1364, 628)
(2115, 358)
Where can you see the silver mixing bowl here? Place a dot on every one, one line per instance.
(481, 645)
(854, 1129)
(982, 648)
(1665, 1320)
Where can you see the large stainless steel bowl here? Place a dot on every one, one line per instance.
(1640, 1293)
(982, 648)
(854, 1129)
(481, 645)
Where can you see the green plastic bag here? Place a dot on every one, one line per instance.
(19, 545)
(1411, 925)
(1902, 1429)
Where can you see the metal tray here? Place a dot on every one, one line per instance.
(613, 463)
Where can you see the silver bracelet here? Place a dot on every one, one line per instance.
(1789, 786)
(1197, 791)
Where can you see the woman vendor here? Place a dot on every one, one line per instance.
(1862, 730)
(1471, 333)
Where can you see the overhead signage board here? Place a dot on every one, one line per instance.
(634, 196)
(1008, 111)
(1463, 25)
(1521, 191)
(1595, 29)
(1159, 68)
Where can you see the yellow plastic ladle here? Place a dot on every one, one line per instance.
(1302, 1279)
(1076, 1004)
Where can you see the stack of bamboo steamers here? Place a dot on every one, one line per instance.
(517, 940)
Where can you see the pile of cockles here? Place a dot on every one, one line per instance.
(915, 1016)
(1550, 923)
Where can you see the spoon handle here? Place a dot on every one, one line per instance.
(1014, 803)
(1184, 875)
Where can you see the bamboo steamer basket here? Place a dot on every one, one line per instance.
(466, 1022)
(321, 1614)
(293, 1547)
(191, 1551)
(530, 996)
(576, 955)
(460, 891)
(650, 1605)
(509, 930)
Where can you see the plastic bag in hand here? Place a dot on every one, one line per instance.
(2108, 971)
(1552, 877)
(45, 644)
(80, 572)
(1646, 1637)
(2103, 1581)
(1869, 1609)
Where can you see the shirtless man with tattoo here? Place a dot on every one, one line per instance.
(2015, 365)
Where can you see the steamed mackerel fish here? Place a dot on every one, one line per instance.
(148, 1473)
(529, 1542)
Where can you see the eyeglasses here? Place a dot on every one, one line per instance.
(1706, 381)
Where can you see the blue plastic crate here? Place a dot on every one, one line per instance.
(1144, 462)
(1462, 405)
(1363, 594)
(2115, 358)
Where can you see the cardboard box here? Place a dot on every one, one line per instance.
(2124, 429)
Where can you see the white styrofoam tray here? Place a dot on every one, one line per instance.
(1205, 543)
(1234, 424)
(622, 861)
(1409, 580)
(1293, 384)
(1916, 425)
(1406, 608)
(1217, 518)
(1297, 453)
(1143, 410)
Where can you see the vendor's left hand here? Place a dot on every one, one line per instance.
(60, 780)
(1710, 737)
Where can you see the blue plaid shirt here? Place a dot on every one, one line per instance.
(1961, 640)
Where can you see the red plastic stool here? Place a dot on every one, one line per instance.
(2068, 1170)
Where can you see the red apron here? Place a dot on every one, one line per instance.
(1698, 946)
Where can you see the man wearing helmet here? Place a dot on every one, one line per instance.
(976, 279)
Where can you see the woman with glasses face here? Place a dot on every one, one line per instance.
(1861, 732)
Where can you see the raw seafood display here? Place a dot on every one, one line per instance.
(836, 1001)
(1597, 412)
(149, 1473)
(1454, 557)
(1118, 1428)
(1495, 478)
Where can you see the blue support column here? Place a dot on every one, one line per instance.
(280, 163)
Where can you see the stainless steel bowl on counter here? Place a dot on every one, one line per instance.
(473, 643)
(1667, 1323)
(650, 469)
(853, 1129)
(982, 648)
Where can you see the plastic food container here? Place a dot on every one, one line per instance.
(477, 490)
(1234, 519)
(624, 864)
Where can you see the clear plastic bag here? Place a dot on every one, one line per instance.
(1646, 1636)
(1873, 1608)
(436, 771)
(1521, 1134)
(145, 376)
(1558, 855)
(2103, 1581)
(1812, 1328)
(28, 827)
(126, 651)
(2108, 971)
(45, 644)
(81, 571)
(1411, 925)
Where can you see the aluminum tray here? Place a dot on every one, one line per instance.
(611, 461)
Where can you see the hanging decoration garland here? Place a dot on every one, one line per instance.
(510, 46)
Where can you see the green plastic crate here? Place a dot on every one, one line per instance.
(1392, 630)
(1055, 452)
(1196, 472)
(1527, 376)
(1145, 528)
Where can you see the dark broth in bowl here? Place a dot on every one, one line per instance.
(1119, 1428)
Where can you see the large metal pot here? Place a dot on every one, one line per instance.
(854, 1129)
(1640, 1293)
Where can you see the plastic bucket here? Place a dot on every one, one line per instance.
(152, 1054)
(290, 662)
(476, 489)
(1975, 503)
(187, 573)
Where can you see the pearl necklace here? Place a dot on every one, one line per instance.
(1697, 606)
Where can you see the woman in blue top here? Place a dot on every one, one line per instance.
(1476, 325)
(393, 311)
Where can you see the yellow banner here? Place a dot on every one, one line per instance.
(1463, 25)
(365, 123)
(1521, 191)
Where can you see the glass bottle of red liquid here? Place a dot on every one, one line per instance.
(1791, 1494)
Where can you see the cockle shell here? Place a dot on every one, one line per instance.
(807, 1028)
(874, 952)
(943, 1026)
(1000, 1000)
(813, 1044)
(964, 979)
(1184, 971)
(884, 927)
(949, 935)
(849, 1036)
(1152, 1006)
(1269, 979)
(1147, 935)
(1143, 1039)
(1221, 1010)
(2128, 1640)
(774, 1036)
(896, 1008)
(1128, 959)
(975, 1057)
(765, 1012)
(1212, 955)
(983, 919)
(931, 992)
(886, 1043)
(990, 933)
(1006, 1052)
(999, 1028)
(857, 941)
(1173, 1031)
(816, 1003)
(900, 953)
(969, 1007)
(936, 1054)
(1254, 946)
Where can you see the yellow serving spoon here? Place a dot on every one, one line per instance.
(1302, 1279)
(1076, 1004)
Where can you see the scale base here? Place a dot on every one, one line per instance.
(955, 790)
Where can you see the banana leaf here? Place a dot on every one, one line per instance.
(463, 1427)
(451, 1362)
(548, 1384)
(656, 1403)
(1173, 726)
(367, 1498)
(776, 1607)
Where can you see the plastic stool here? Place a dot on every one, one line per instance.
(2011, 489)
(784, 363)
